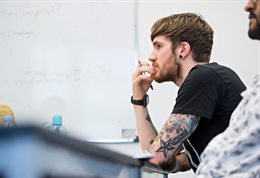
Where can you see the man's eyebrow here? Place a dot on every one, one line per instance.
(156, 42)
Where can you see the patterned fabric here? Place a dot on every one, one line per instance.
(235, 153)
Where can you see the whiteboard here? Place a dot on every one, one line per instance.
(74, 58)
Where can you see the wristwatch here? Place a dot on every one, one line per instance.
(142, 102)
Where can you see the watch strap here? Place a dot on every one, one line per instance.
(142, 102)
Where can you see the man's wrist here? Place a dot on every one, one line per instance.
(142, 102)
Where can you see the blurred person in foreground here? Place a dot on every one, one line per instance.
(236, 152)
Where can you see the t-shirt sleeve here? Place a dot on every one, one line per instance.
(199, 93)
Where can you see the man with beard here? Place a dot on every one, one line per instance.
(236, 152)
(207, 96)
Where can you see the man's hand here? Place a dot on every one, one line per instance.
(168, 165)
(141, 82)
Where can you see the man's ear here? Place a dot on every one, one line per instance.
(184, 49)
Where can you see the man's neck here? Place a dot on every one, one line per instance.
(185, 69)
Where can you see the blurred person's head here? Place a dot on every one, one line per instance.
(253, 7)
(5, 110)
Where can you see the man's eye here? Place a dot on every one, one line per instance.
(157, 46)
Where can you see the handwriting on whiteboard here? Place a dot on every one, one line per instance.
(16, 34)
(19, 13)
(13, 17)
(29, 77)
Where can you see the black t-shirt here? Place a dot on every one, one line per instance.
(212, 92)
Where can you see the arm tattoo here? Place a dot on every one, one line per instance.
(148, 118)
(165, 147)
(177, 128)
(157, 139)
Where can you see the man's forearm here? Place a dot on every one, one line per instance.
(145, 128)
(166, 145)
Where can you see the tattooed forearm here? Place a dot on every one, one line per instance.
(177, 128)
(148, 118)
(193, 123)
(165, 147)
(180, 137)
(157, 139)
(181, 122)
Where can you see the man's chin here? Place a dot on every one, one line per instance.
(253, 34)
(254, 31)
(158, 80)
(161, 80)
